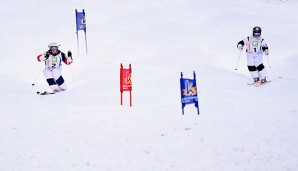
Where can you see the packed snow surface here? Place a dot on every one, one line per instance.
(240, 127)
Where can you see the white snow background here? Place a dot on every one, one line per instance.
(240, 127)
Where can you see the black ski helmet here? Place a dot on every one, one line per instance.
(256, 31)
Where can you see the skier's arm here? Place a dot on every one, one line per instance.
(241, 43)
(67, 59)
(43, 57)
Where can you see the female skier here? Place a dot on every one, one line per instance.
(53, 66)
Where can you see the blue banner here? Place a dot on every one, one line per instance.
(81, 20)
(189, 94)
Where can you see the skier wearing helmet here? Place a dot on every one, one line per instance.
(53, 66)
(255, 47)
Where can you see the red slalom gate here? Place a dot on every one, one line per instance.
(125, 82)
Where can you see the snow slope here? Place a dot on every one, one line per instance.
(85, 128)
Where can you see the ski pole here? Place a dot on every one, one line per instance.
(72, 76)
(268, 61)
(238, 60)
(37, 75)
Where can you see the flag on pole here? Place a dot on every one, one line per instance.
(125, 82)
(81, 25)
(81, 20)
(189, 93)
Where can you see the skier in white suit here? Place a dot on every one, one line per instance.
(255, 47)
(53, 66)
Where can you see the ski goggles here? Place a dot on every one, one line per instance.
(54, 48)
(256, 34)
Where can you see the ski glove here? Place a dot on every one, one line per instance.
(69, 53)
(240, 47)
(265, 49)
(46, 55)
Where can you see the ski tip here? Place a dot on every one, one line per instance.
(252, 83)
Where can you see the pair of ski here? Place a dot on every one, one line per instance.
(48, 93)
(45, 93)
(258, 84)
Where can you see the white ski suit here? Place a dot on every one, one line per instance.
(53, 68)
(254, 52)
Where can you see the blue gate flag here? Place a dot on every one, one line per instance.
(189, 93)
(81, 25)
(81, 20)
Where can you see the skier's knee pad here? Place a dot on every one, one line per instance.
(252, 68)
(260, 67)
(60, 81)
(51, 81)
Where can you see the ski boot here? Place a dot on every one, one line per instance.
(256, 79)
(264, 80)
